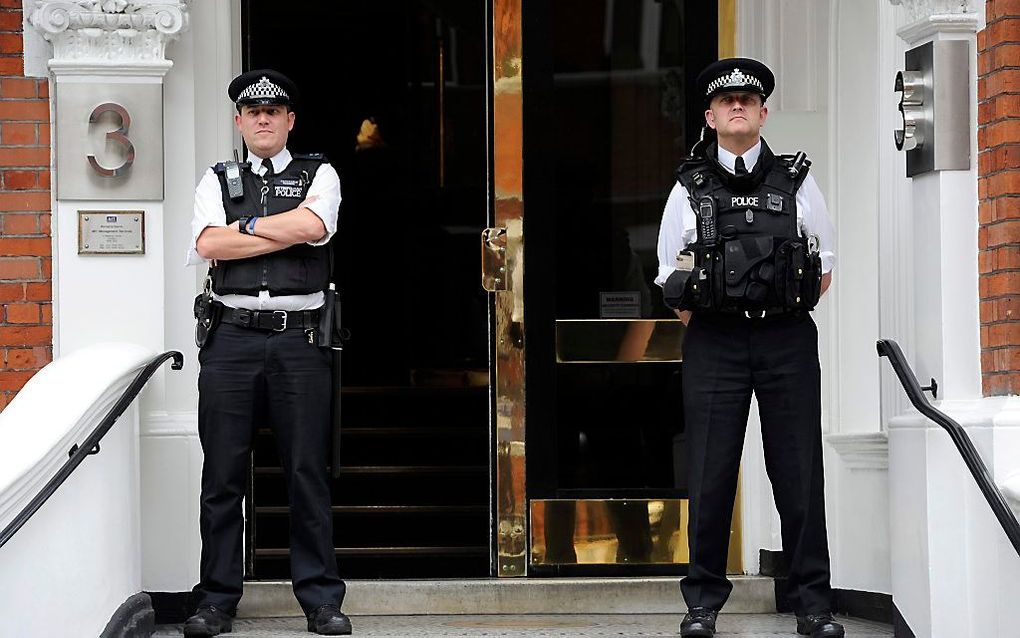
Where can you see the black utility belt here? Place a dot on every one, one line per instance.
(764, 313)
(276, 320)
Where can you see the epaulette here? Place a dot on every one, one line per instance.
(795, 166)
(220, 167)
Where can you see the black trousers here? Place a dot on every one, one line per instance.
(250, 378)
(726, 358)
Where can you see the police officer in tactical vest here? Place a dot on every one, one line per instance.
(263, 226)
(745, 251)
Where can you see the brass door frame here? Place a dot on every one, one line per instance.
(503, 273)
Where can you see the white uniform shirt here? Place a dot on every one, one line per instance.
(679, 227)
(209, 212)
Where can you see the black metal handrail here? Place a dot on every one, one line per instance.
(90, 445)
(889, 348)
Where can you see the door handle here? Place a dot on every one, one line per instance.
(494, 274)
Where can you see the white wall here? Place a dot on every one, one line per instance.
(827, 57)
(78, 558)
(199, 132)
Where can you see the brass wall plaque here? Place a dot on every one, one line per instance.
(111, 232)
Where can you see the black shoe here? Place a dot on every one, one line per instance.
(208, 621)
(699, 622)
(328, 620)
(819, 626)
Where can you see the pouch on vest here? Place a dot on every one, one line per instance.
(742, 259)
(800, 275)
(675, 289)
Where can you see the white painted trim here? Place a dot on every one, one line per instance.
(38, 431)
(169, 424)
(862, 451)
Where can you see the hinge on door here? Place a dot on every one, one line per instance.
(494, 259)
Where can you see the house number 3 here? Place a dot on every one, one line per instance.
(118, 136)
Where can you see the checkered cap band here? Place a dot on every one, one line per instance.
(735, 78)
(263, 89)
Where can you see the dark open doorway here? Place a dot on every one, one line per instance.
(394, 93)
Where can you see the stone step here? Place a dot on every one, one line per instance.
(265, 599)
(521, 626)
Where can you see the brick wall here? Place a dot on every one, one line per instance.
(26, 324)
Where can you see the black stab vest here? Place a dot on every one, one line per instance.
(758, 259)
(300, 269)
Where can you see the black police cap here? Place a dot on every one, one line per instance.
(735, 74)
(262, 86)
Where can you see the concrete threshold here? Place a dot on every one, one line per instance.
(269, 599)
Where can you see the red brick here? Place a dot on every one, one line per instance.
(24, 359)
(1005, 131)
(20, 180)
(1003, 258)
(13, 268)
(15, 380)
(1000, 385)
(22, 313)
(986, 212)
(42, 291)
(12, 292)
(1001, 359)
(25, 110)
(16, 224)
(986, 261)
(997, 9)
(44, 133)
(11, 4)
(26, 335)
(5, 399)
(38, 201)
(1002, 233)
(12, 65)
(998, 107)
(1001, 284)
(46, 265)
(44, 219)
(985, 59)
(11, 21)
(18, 87)
(11, 43)
(1004, 334)
(1003, 30)
(44, 88)
(47, 314)
(25, 156)
(1004, 183)
(1002, 208)
(1002, 81)
(18, 134)
(1000, 158)
(25, 246)
(982, 237)
(982, 188)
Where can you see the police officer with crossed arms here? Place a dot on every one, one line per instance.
(745, 251)
(263, 226)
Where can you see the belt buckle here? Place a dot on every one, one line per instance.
(244, 317)
(760, 314)
(282, 316)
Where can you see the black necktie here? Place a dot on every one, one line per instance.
(738, 167)
(268, 165)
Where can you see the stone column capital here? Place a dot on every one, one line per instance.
(110, 37)
(920, 19)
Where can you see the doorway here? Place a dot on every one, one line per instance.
(394, 93)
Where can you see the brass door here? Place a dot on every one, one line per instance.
(590, 114)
